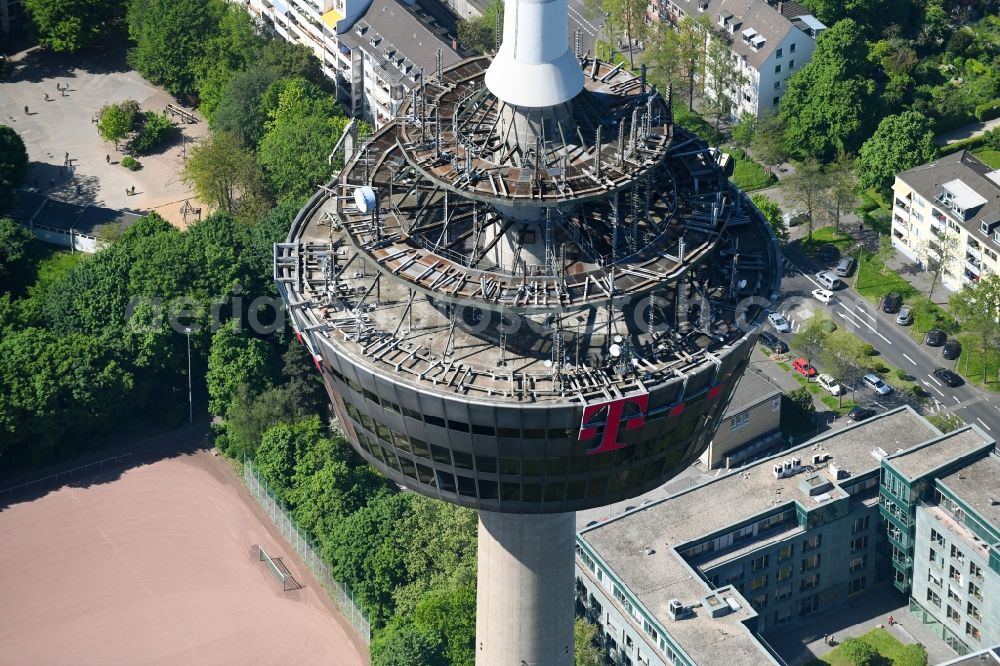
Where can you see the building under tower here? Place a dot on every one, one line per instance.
(531, 293)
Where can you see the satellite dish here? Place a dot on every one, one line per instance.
(547, 363)
(364, 198)
(615, 350)
(743, 284)
(618, 338)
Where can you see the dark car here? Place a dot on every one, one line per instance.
(892, 302)
(948, 377)
(860, 413)
(952, 350)
(773, 342)
(935, 337)
(828, 253)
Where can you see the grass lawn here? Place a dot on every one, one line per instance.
(749, 176)
(841, 410)
(784, 366)
(989, 157)
(885, 644)
(827, 236)
(970, 363)
(873, 284)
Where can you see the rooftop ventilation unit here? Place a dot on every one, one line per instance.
(676, 609)
(879, 453)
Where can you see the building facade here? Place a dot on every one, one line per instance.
(373, 50)
(769, 42)
(10, 13)
(750, 425)
(949, 210)
(704, 576)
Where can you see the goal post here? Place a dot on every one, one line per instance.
(278, 569)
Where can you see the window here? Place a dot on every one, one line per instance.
(975, 571)
(791, 65)
(739, 420)
(859, 544)
(810, 605)
(975, 591)
(952, 614)
(758, 602)
(791, 48)
(858, 585)
(972, 611)
(758, 583)
(784, 572)
(777, 53)
(786, 552)
(933, 597)
(934, 557)
(860, 525)
(953, 594)
(957, 554)
(955, 574)
(783, 592)
(810, 563)
(777, 69)
(759, 563)
(809, 582)
(811, 543)
(858, 563)
(777, 85)
(934, 578)
(776, 100)
(937, 538)
(972, 631)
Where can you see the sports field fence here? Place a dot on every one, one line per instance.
(59, 478)
(307, 550)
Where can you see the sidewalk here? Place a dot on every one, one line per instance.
(866, 611)
(966, 132)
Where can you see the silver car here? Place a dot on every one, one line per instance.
(905, 316)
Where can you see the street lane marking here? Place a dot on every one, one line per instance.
(909, 359)
(932, 387)
(984, 423)
(996, 408)
(864, 312)
(846, 314)
(956, 399)
(935, 381)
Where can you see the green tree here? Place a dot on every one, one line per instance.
(402, 643)
(938, 253)
(585, 650)
(235, 47)
(627, 17)
(691, 50)
(663, 55)
(153, 130)
(901, 142)
(170, 37)
(292, 61)
(478, 34)
(224, 175)
(977, 307)
(15, 242)
(839, 197)
(235, 358)
(117, 121)
(745, 129)
(13, 164)
(800, 400)
(451, 612)
(768, 142)
(772, 213)
(241, 109)
(301, 134)
(70, 25)
(858, 652)
(830, 103)
(805, 189)
(723, 82)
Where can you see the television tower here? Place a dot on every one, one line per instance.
(529, 294)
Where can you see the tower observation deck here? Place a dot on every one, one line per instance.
(530, 294)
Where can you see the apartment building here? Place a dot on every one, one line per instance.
(10, 14)
(750, 424)
(374, 50)
(952, 201)
(704, 576)
(769, 40)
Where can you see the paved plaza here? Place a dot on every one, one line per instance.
(65, 124)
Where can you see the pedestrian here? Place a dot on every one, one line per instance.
(46, 96)
(63, 93)
(127, 193)
(25, 109)
(78, 190)
(67, 157)
(833, 641)
(107, 158)
(133, 190)
(826, 639)
(892, 620)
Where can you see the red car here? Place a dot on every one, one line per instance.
(802, 366)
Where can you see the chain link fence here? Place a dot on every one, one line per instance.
(55, 480)
(307, 550)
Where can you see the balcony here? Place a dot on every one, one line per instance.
(900, 221)
(902, 205)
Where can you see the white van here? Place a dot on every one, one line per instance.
(828, 280)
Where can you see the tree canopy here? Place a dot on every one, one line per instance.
(901, 142)
(225, 176)
(13, 164)
(70, 25)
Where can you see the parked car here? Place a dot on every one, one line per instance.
(802, 366)
(829, 383)
(905, 316)
(828, 253)
(891, 302)
(772, 342)
(948, 377)
(952, 350)
(860, 413)
(828, 280)
(875, 383)
(845, 267)
(935, 337)
(780, 324)
(822, 295)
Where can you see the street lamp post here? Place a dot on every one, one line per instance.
(187, 329)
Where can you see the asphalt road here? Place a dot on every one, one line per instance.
(893, 342)
(590, 26)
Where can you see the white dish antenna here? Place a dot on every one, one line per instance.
(364, 198)
(615, 350)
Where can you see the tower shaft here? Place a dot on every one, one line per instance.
(524, 597)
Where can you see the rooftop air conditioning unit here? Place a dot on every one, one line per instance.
(676, 609)
(818, 458)
(796, 462)
(778, 471)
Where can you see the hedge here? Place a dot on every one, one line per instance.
(988, 110)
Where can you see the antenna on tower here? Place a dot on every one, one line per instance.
(577, 46)
(440, 71)
(497, 33)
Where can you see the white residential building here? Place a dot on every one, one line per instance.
(373, 50)
(956, 196)
(770, 41)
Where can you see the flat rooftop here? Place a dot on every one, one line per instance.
(919, 461)
(978, 485)
(752, 389)
(657, 578)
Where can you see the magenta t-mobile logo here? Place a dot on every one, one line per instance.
(612, 412)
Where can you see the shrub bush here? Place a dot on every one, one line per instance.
(155, 129)
(131, 163)
(988, 110)
(859, 653)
